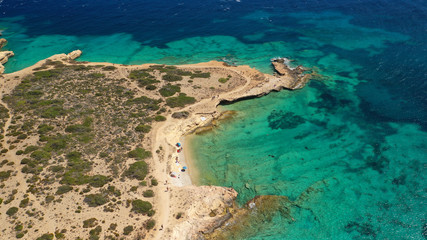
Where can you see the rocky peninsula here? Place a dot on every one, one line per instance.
(87, 148)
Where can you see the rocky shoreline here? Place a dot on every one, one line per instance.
(4, 55)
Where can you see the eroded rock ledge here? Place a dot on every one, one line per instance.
(4, 55)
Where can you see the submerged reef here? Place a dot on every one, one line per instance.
(284, 120)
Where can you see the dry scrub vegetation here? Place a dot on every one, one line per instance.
(76, 154)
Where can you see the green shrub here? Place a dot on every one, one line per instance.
(127, 230)
(24, 202)
(150, 224)
(20, 235)
(40, 155)
(180, 115)
(91, 222)
(46, 74)
(137, 170)
(96, 75)
(19, 227)
(30, 149)
(11, 211)
(56, 168)
(148, 193)
(154, 182)
(44, 128)
(223, 80)
(53, 112)
(201, 75)
(159, 118)
(63, 189)
(180, 101)
(150, 87)
(4, 175)
(143, 128)
(139, 206)
(19, 152)
(99, 180)
(46, 236)
(139, 153)
(56, 143)
(94, 233)
(95, 200)
(109, 68)
(169, 90)
(22, 136)
(49, 198)
(171, 77)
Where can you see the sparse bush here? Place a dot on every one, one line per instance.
(24, 202)
(143, 128)
(137, 170)
(223, 80)
(169, 90)
(180, 101)
(40, 155)
(150, 87)
(20, 235)
(154, 182)
(99, 180)
(140, 206)
(63, 189)
(4, 175)
(95, 200)
(159, 118)
(150, 224)
(148, 193)
(89, 223)
(30, 149)
(198, 74)
(139, 153)
(109, 68)
(19, 227)
(46, 236)
(180, 115)
(94, 233)
(127, 230)
(171, 77)
(11, 211)
(44, 128)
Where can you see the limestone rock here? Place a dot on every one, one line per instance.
(5, 55)
(74, 54)
(3, 42)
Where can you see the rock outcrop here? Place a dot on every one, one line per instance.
(4, 55)
(204, 209)
(297, 74)
(74, 54)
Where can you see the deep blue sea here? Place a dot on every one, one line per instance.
(348, 151)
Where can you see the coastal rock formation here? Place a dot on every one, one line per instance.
(256, 214)
(203, 210)
(74, 54)
(4, 55)
(283, 69)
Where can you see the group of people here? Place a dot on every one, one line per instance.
(180, 168)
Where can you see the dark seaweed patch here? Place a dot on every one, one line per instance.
(282, 120)
(364, 229)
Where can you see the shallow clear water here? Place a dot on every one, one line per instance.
(349, 152)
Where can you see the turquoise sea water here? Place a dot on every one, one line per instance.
(349, 151)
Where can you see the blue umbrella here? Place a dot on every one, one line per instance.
(184, 167)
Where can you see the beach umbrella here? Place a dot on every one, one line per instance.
(184, 167)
